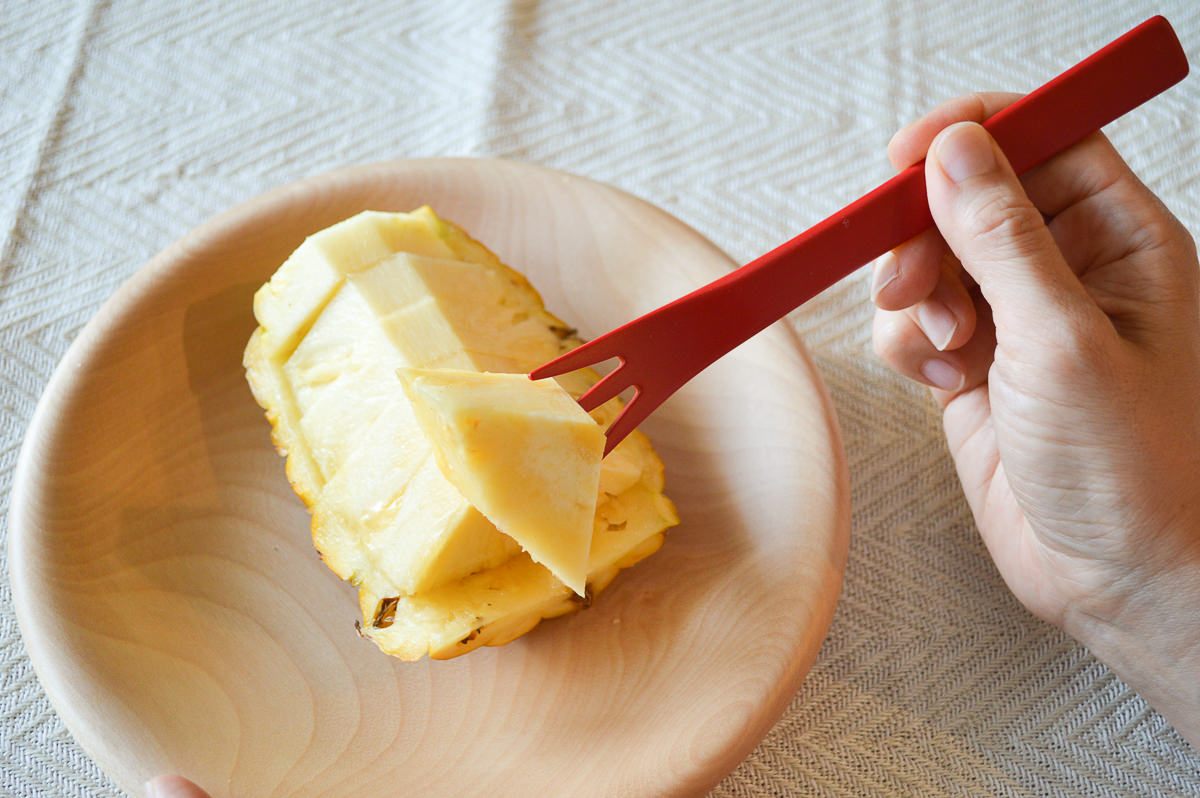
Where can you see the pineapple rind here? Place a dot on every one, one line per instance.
(271, 391)
(485, 607)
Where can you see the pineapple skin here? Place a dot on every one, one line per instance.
(509, 594)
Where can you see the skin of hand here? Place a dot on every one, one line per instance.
(173, 786)
(1056, 318)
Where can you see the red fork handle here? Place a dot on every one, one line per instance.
(665, 348)
(1144, 62)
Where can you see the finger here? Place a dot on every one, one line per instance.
(1117, 222)
(1080, 171)
(1090, 170)
(173, 786)
(904, 347)
(1110, 226)
(999, 236)
(1091, 176)
(910, 272)
(976, 355)
(947, 315)
(1099, 211)
(924, 278)
(912, 141)
(1087, 168)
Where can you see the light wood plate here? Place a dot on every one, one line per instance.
(180, 620)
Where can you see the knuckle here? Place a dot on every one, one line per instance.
(1001, 218)
(978, 106)
(1159, 230)
(883, 334)
(1169, 254)
(889, 336)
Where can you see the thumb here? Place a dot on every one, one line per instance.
(996, 232)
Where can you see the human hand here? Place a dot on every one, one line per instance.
(173, 786)
(1057, 321)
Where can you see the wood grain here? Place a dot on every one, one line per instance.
(179, 619)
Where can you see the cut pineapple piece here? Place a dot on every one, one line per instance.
(335, 373)
(389, 518)
(341, 377)
(354, 304)
(620, 470)
(523, 452)
(497, 605)
(287, 305)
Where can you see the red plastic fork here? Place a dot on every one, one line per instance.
(665, 348)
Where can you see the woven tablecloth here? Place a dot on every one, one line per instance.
(123, 124)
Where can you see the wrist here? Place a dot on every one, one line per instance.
(1152, 641)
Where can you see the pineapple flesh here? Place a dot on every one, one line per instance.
(381, 341)
(523, 452)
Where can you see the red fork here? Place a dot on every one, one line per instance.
(660, 351)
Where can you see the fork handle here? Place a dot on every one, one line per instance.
(1116, 79)
(680, 339)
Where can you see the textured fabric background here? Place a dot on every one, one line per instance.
(123, 124)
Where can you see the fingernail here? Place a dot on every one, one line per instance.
(938, 323)
(964, 150)
(942, 374)
(887, 269)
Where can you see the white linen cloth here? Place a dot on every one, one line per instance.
(124, 123)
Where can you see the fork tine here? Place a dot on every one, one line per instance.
(604, 389)
(586, 354)
(631, 415)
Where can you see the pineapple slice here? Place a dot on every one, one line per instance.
(341, 376)
(287, 305)
(495, 606)
(290, 302)
(523, 452)
(354, 305)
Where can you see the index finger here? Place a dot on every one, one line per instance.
(1086, 170)
(912, 141)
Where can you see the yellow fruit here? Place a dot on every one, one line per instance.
(383, 293)
(523, 452)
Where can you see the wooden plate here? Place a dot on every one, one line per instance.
(179, 619)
